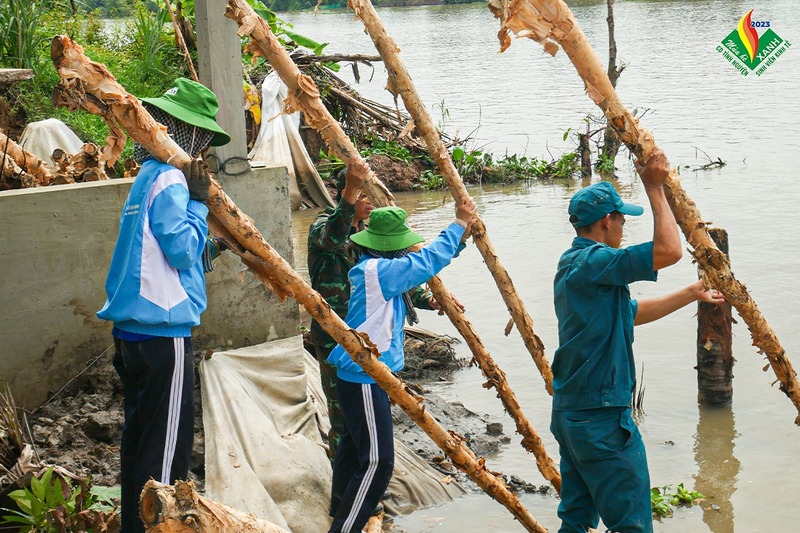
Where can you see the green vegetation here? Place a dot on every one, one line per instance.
(52, 504)
(476, 166)
(21, 41)
(663, 500)
(141, 55)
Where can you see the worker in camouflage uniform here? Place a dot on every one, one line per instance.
(331, 255)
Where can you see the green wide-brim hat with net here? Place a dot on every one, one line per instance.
(194, 104)
(387, 231)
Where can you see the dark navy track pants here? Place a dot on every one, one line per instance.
(158, 386)
(364, 460)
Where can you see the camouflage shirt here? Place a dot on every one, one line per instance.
(331, 255)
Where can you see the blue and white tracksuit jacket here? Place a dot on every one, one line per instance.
(376, 300)
(155, 283)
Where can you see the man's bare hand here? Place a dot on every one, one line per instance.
(656, 171)
(436, 306)
(709, 296)
(356, 175)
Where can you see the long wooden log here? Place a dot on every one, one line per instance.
(78, 72)
(266, 43)
(303, 93)
(400, 83)
(496, 379)
(26, 161)
(179, 509)
(552, 23)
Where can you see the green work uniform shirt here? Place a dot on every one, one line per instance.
(593, 366)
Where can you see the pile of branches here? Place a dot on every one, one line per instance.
(361, 118)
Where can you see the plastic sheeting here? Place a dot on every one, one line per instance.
(263, 410)
(43, 137)
(264, 453)
(279, 142)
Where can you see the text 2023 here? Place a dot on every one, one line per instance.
(759, 24)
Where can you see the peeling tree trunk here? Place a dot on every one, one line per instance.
(79, 73)
(179, 509)
(265, 42)
(400, 84)
(551, 23)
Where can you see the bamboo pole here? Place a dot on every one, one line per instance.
(400, 83)
(267, 44)
(179, 509)
(26, 161)
(552, 23)
(79, 73)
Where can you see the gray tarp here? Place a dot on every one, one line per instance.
(263, 410)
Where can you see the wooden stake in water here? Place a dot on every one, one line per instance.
(715, 343)
(552, 24)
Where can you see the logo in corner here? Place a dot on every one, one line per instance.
(750, 52)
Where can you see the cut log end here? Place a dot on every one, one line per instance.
(151, 505)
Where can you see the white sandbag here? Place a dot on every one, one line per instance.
(279, 142)
(42, 138)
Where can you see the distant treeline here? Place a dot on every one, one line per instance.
(297, 5)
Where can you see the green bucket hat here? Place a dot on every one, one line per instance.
(387, 231)
(194, 104)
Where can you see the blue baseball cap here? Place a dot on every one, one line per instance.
(592, 203)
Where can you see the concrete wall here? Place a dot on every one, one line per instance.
(55, 247)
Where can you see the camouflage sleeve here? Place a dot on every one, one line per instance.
(331, 232)
(421, 297)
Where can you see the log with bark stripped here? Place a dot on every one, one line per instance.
(179, 509)
(25, 161)
(552, 23)
(264, 42)
(400, 83)
(79, 73)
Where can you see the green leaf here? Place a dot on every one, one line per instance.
(305, 42)
(566, 134)
(21, 519)
(458, 154)
(105, 494)
(38, 488)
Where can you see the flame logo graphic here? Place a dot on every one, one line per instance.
(748, 35)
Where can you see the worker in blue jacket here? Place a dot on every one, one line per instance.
(379, 304)
(603, 461)
(156, 292)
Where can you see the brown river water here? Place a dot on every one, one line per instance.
(746, 458)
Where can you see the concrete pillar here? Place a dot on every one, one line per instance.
(219, 58)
